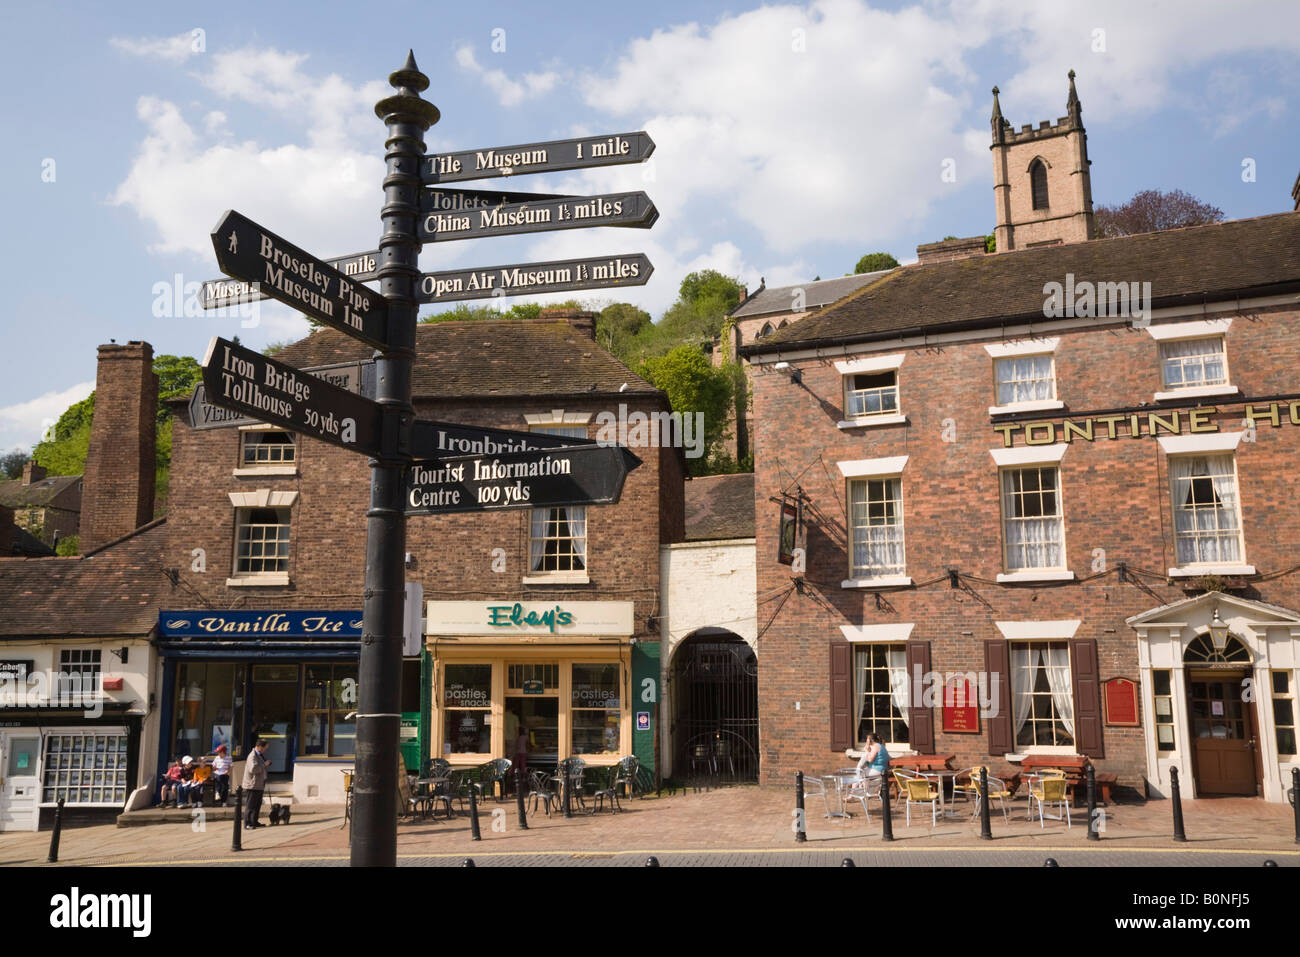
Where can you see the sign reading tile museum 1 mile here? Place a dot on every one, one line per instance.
(249, 382)
(578, 475)
(546, 157)
(568, 212)
(312, 286)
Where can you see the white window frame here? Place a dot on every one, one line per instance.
(883, 469)
(1062, 749)
(1215, 450)
(280, 468)
(559, 422)
(893, 747)
(1024, 349)
(872, 365)
(1043, 573)
(1197, 329)
(244, 502)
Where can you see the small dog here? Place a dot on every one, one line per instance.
(275, 814)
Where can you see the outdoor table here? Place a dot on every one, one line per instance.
(429, 787)
(844, 778)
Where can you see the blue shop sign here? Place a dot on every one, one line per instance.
(224, 625)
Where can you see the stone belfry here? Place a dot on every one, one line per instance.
(1041, 187)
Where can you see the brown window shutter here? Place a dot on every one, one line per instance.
(997, 665)
(1087, 698)
(841, 695)
(920, 721)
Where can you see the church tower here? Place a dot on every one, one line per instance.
(1041, 187)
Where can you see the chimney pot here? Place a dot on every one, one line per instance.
(583, 322)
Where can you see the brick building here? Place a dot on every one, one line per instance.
(1082, 516)
(267, 533)
(46, 507)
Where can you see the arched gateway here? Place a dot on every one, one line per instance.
(714, 694)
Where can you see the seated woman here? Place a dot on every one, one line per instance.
(202, 774)
(874, 761)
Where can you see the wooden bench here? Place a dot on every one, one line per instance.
(1076, 779)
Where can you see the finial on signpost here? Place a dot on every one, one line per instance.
(409, 83)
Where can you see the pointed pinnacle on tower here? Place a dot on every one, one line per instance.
(996, 119)
(1072, 105)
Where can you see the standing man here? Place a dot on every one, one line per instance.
(255, 781)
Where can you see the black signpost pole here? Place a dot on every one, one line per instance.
(374, 826)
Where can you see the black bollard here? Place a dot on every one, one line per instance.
(1051, 862)
(800, 833)
(986, 829)
(236, 840)
(58, 830)
(519, 799)
(1270, 863)
(887, 831)
(1175, 795)
(847, 862)
(473, 813)
(1295, 800)
(1092, 803)
(652, 862)
(566, 782)
(468, 862)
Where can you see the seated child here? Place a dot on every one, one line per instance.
(171, 784)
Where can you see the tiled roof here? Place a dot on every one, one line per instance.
(517, 357)
(821, 292)
(41, 492)
(1259, 257)
(720, 506)
(116, 590)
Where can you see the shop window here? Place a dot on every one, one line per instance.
(1042, 698)
(1024, 379)
(1193, 363)
(1216, 710)
(261, 541)
(329, 695)
(1164, 708)
(467, 709)
(880, 692)
(79, 674)
(1032, 522)
(1284, 712)
(1207, 523)
(532, 678)
(876, 527)
(261, 447)
(209, 708)
(595, 708)
(85, 768)
(871, 393)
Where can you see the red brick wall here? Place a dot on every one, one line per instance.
(453, 554)
(118, 490)
(1115, 493)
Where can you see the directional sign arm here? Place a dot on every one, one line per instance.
(533, 279)
(579, 212)
(547, 157)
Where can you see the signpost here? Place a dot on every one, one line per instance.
(545, 478)
(208, 415)
(530, 279)
(312, 286)
(218, 293)
(461, 468)
(567, 212)
(548, 157)
(270, 391)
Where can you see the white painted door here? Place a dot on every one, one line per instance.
(20, 758)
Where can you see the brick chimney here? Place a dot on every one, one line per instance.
(32, 473)
(7, 531)
(117, 494)
(583, 322)
(950, 249)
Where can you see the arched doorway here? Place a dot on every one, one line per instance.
(1221, 717)
(715, 707)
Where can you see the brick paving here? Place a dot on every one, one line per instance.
(739, 825)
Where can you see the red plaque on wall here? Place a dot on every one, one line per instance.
(1120, 699)
(960, 707)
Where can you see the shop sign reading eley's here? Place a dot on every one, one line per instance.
(529, 620)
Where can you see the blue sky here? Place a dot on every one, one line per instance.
(791, 138)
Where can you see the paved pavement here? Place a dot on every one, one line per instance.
(740, 826)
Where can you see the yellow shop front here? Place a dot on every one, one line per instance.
(533, 682)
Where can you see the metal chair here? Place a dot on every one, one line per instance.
(1049, 790)
(570, 773)
(491, 774)
(622, 773)
(997, 790)
(539, 789)
(864, 790)
(921, 791)
(722, 756)
(814, 786)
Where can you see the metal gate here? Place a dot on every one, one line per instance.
(715, 710)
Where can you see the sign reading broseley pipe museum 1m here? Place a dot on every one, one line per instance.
(312, 286)
(546, 478)
(218, 293)
(250, 383)
(548, 157)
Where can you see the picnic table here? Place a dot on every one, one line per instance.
(1076, 780)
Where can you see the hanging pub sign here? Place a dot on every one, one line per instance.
(1120, 702)
(960, 707)
(789, 532)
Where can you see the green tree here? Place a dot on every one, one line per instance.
(874, 262)
(696, 318)
(463, 312)
(63, 450)
(617, 326)
(177, 377)
(11, 463)
(693, 385)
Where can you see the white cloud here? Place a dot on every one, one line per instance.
(508, 92)
(24, 423)
(175, 49)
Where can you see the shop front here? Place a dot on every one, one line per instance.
(533, 682)
(232, 677)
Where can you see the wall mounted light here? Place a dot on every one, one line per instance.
(795, 375)
(1218, 631)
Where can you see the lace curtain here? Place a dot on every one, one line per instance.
(1205, 509)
